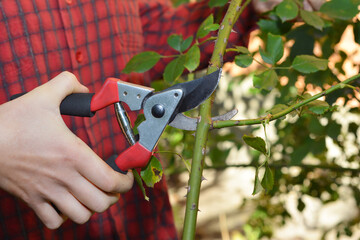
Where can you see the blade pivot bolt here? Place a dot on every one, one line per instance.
(158, 111)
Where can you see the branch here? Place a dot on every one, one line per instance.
(232, 123)
(203, 127)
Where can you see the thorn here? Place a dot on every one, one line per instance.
(233, 31)
(225, 40)
(203, 178)
(222, 27)
(238, 8)
(187, 191)
(193, 206)
(203, 151)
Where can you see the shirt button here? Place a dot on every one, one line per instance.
(79, 56)
(68, 1)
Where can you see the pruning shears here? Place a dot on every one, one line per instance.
(159, 108)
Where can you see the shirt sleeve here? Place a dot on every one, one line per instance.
(160, 19)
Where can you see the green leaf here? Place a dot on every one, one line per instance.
(274, 49)
(243, 60)
(175, 41)
(174, 69)
(301, 205)
(309, 64)
(217, 3)
(192, 59)
(312, 19)
(212, 27)
(274, 26)
(140, 118)
(152, 172)
(257, 184)
(318, 107)
(186, 43)
(140, 184)
(202, 30)
(357, 32)
(266, 80)
(340, 9)
(287, 10)
(256, 142)
(142, 62)
(268, 179)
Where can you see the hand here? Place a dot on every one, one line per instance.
(43, 163)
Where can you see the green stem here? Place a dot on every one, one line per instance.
(207, 40)
(232, 123)
(192, 201)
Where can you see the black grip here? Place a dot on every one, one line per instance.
(16, 96)
(111, 162)
(76, 104)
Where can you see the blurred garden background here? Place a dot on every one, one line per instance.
(314, 150)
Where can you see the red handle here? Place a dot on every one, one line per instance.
(107, 95)
(136, 156)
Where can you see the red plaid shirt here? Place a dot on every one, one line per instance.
(94, 40)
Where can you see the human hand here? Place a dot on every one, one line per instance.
(43, 163)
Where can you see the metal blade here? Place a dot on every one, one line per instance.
(188, 123)
(197, 91)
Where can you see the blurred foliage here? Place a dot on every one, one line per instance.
(306, 135)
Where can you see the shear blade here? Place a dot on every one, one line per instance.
(197, 91)
(188, 123)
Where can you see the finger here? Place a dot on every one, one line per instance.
(101, 175)
(48, 215)
(70, 206)
(63, 85)
(91, 196)
(67, 82)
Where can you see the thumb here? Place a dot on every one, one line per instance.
(63, 85)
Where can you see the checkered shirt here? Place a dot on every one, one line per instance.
(94, 40)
